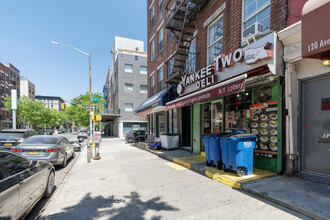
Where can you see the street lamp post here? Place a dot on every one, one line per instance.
(89, 150)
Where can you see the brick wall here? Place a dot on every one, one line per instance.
(5, 70)
(232, 28)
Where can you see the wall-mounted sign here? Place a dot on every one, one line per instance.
(315, 29)
(14, 99)
(202, 78)
(206, 76)
(229, 88)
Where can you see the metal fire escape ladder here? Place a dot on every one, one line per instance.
(183, 20)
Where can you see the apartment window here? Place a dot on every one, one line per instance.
(152, 16)
(170, 35)
(160, 40)
(128, 87)
(128, 68)
(256, 11)
(143, 70)
(152, 86)
(214, 39)
(152, 50)
(191, 58)
(170, 67)
(128, 107)
(143, 88)
(160, 79)
(160, 9)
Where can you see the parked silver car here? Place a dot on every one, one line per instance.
(54, 149)
(22, 184)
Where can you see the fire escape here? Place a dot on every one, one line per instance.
(182, 19)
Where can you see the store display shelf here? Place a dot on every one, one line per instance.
(265, 152)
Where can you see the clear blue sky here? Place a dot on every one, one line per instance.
(27, 26)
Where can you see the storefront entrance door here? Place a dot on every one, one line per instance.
(315, 124)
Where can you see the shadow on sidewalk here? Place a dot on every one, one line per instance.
(130, 207)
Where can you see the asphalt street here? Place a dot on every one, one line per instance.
(60, 174)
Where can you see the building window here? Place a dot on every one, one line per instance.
(160, 9)
(191, 58)
(152, 16)
(143, 70)
(152, 50)
(143, 88)
(214, 39)
(128, 68)
(128, 87)
(255, 11)
(170, 67)
(160, 79)
(160, 40)
(170, 35)
(128, 107)
(152, 86)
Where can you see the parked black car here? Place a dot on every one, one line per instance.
(136, 136)
(22, 184)
(13, 137)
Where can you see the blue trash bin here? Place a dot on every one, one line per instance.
(212, 148)
(237, 152)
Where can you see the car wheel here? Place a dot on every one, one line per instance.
(65, 161)
(50, 185)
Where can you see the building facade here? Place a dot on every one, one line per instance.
(5, 121)
(307, 93)
(128, 85)
(27, 88)
(224, 60)
(14, 78)
(51, 102)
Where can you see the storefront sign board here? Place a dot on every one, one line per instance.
(233, 87)
(315, 29)
(266, 51)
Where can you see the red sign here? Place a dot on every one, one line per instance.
(227, 89)
(96, 137)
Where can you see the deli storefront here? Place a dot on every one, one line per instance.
(241, 90)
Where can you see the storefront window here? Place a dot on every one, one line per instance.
(262, 94)
(160, 124)
(216, 117)
(237, 110)
(206, 112)
(172, 122)
(175, 124)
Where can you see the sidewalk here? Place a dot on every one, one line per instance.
(309, 198)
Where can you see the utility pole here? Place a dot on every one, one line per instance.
(89, 147)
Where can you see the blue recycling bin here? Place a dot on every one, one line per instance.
(237, 152)
(212, 148)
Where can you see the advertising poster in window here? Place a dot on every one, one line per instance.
(264, 123)
(170, 122)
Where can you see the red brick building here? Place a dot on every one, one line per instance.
(4, 92)
(206, 48)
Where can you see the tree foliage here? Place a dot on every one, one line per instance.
(30, 112)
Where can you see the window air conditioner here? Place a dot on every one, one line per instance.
(254, 30)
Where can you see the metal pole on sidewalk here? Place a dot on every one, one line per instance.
(89, 146)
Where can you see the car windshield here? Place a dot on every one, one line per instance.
(11, 135)
(41, 140)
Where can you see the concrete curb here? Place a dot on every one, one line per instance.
(58, 189)
(263, 196)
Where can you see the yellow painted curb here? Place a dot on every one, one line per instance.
(175, 166)
(187, 161)
(232, 179)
